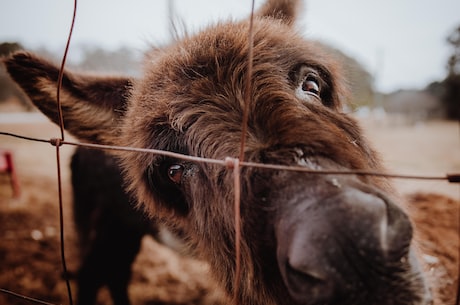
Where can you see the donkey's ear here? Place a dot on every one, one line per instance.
(284, 10)
(92, 106)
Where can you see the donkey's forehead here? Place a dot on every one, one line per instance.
(224, 48)
(200, 80)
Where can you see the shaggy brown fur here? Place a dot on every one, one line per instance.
(306, 239)
(109, 228)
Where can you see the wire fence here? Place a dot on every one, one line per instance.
(233, 164)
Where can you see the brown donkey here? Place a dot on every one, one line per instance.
(108, 226)
(305, 239)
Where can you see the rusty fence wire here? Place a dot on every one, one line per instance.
(234, 164)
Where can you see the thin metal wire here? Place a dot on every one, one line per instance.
(58, 145)
(61, 221)
(26, 298)
(179, 156)
(61, 70)
(24, 137)
(248, 84)
(230, 163)
(234, 164)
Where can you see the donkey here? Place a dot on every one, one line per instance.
(109, 228)
(305, 238)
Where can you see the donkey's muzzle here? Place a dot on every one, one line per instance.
(332, 248)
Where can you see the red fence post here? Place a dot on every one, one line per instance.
(7, 166)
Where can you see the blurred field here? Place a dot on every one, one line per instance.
(424, 148)
(29, 230)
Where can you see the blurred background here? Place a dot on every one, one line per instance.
(402, 61)
(400, 56)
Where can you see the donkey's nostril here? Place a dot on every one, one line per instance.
(308, 282)
(330, 247)
(305, 274)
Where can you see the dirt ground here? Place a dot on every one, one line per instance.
(29, 226)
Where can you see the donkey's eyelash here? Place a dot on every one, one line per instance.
(309, 84)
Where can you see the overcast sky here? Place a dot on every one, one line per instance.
(402, 41)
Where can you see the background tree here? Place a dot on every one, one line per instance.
(8, 88)
(451, 94)
(360, 81)
(122, 60)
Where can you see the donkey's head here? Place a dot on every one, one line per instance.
(306, 239)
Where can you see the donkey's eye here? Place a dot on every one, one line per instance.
(311, 85)
(175, 172)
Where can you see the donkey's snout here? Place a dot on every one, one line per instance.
(332, 247)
